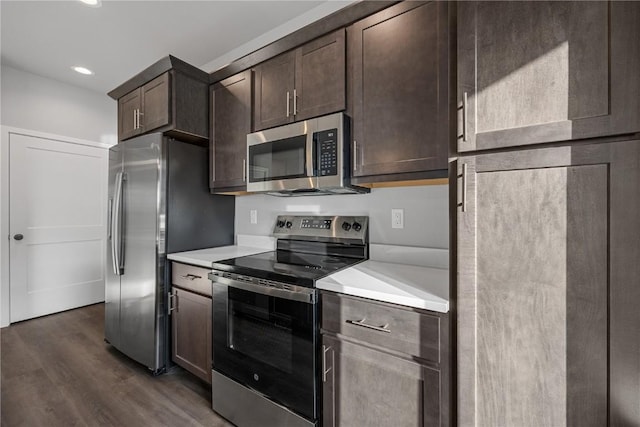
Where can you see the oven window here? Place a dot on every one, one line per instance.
(261, 327)
(284, 158)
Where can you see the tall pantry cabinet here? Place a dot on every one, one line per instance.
(547, 235)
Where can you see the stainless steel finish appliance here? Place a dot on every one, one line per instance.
(304, 158)
(266, 321)
(159, 203)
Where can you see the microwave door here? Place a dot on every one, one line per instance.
(280, 159)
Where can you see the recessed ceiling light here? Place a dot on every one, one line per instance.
(92, 3)
(82, 70)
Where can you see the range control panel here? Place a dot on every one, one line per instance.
(328, 228)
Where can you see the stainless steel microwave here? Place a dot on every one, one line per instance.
(304, 158)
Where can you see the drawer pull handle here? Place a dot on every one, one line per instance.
(383, 328)
(191, 277)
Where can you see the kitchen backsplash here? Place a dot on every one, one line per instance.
(426, 217)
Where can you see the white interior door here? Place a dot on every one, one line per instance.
(57, 196)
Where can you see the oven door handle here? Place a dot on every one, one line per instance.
(306, 295)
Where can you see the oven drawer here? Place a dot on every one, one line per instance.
(385, 325)
(191, 278)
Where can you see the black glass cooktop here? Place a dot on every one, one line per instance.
(297, 268)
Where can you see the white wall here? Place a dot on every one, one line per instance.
(426, 216)
(37, 103)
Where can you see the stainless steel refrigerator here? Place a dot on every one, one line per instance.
(159, 203)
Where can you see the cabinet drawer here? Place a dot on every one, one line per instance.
(191, 278)
(384, 325)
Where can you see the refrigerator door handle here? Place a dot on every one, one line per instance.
(116, 225)
(109, 217)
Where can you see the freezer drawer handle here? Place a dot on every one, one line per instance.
(383, 328)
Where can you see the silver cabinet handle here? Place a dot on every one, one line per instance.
(191, 276)
(464, 187)
(170, 302)
(383, 328)
(140, 113)
(325, 371)
(295, 102)
(355, 155)
(135, 119)
(463, 106)
(244, 170)
(287, 103)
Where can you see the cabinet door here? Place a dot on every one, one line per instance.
(543, 71)
(320, 77)
(400, 91)
(191, 321)
(548, 294)
(156, 103)
(369, 388)
(128, 108)
(274, 83)
(231, 122)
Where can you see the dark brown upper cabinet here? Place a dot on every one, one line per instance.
(536, 72)
(144, 109)
(230, 124)
(170, 96)
(306, 82)
(399, 63)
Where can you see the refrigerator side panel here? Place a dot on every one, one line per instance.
(139, 289)
(196, 219)
(112, 283)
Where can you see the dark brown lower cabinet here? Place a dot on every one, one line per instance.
(548, 295)
(371, 388)
(380, 376)
(191, 326)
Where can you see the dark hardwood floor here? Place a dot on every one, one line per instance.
(57, 371)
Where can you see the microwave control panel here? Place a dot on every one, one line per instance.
(327, 151)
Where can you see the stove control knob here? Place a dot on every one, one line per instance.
(346, 226)
(280, 223)
(288, 224)
(356, 226)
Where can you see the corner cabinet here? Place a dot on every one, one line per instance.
(551, 337)
(231, 113)
(399, 63)
(306, 82)
(531, 72)
(170, 96)
(190, 309)
(390, 371)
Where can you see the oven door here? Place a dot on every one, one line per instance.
(281, 158)
(266, 338)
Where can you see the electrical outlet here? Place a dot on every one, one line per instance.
(397, 218)
(254, 216)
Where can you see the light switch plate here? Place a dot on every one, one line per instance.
(397, 218)
(254, 216)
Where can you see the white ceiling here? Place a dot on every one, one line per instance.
(121, 38)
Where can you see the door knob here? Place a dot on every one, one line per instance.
(18, 236)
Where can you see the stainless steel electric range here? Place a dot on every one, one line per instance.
(266, 321)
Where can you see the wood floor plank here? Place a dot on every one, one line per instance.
(58, 371)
